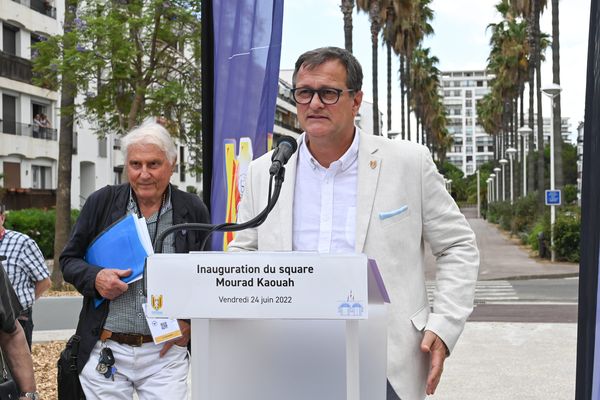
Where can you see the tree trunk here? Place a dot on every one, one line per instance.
(558, 163)
(62, 226)
(402, 95)
(347, 7)
(540, 122)
(408, 99)
(389, 87)
(531, 85)
(375, 27)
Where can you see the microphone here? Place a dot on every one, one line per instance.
(285, 148)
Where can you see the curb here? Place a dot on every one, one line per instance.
(527, 277)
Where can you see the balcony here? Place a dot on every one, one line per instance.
(41, 6)
(20, 129)
(15, 68)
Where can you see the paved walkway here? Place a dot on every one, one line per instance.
(508, 360)
(503, 258)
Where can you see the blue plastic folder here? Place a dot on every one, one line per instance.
(123, 245)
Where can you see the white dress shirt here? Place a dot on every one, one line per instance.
(325, 202)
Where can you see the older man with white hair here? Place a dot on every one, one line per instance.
(119, 324)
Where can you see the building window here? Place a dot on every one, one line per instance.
(102, 142)
(9, 39)
(75, 142)
(181, 164)
(480, 149)
(42, 178)
(118, 174)
(480, 83)
(9, 114)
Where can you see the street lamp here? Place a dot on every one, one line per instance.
(489, 189)
(449, 181)
(511, 151)
(503, 162)
(525, 131)
(497, 171)
(552, 91)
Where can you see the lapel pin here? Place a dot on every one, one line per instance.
(373, 164)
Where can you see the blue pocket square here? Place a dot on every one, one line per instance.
(389, 214)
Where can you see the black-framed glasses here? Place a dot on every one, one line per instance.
(327, 96)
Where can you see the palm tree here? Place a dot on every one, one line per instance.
(347, 7)
(409, 32)
(373, 8)
(556, 112)
(531, 11)
(388, 39)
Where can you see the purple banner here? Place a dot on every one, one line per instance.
(247, 49)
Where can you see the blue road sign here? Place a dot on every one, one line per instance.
(553, 197)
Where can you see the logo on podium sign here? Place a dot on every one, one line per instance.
(553, 197)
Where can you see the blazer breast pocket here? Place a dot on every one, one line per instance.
(393, 217)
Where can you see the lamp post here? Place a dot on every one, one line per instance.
(503, 162)
(489, 189)
(497, 192)
(449, 182)
(511, 151)
(525, 131)
(552, 91)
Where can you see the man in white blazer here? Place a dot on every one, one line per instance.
(346, 191)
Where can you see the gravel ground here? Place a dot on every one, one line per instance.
(45, 356)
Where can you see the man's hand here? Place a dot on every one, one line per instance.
(436, 347)
(182, 341)
(109, 283)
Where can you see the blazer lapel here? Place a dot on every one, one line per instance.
(369, 165)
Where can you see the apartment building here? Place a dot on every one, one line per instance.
(29, 153)
(472, 145)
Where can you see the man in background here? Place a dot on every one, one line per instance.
(12, 341)
(26, 270)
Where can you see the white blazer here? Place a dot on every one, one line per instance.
(399, 179)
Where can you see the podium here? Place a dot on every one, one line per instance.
(277, 325)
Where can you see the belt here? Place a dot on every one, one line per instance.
(131, 339)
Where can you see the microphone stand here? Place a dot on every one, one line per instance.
(229, 227)
(226, 227)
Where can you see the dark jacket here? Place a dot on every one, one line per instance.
(101, 209)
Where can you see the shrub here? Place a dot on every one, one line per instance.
(542, 225)
(567, 235)
(570, 194)
(38, 224)
(501, 213)
(525, 210)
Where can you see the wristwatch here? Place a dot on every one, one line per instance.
(30, 395)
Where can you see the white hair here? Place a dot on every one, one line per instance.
(151, 132)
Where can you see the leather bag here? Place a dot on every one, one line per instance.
(8, 387)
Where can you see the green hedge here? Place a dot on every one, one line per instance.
(38, 224)
(567, 234)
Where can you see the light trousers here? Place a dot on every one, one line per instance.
(139, 369)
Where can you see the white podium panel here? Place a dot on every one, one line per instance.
(287, 359)
(329, 341)
(258, 285)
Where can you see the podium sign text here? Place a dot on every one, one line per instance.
(258, 285)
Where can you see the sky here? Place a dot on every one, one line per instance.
(460, 41)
